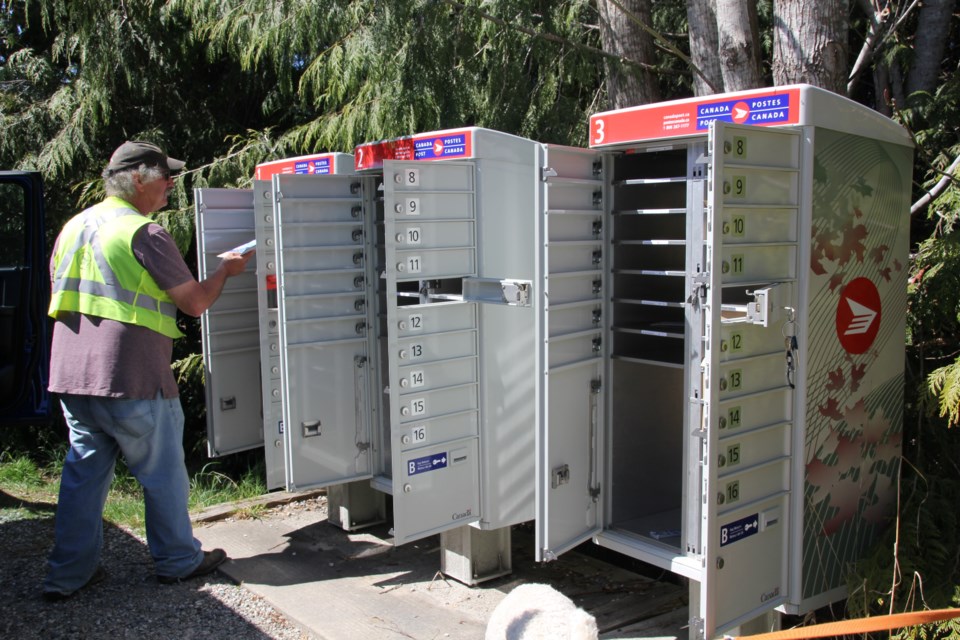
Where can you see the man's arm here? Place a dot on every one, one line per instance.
(193, 298)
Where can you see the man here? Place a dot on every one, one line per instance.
(118, 280)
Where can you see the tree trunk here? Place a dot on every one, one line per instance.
(738, 53)
(621, 35)
(702, 27)
(933, 27)
(810, 43)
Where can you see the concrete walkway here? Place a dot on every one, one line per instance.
(357, 586)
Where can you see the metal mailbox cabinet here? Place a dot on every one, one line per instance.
(240, 333)
(746, 425)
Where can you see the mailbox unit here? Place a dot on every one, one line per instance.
(748, 426)
(684, 343)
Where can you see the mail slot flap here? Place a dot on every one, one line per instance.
(759, 225)
(743, 340)
(752, 263)
(575, 255)
(750, 185)
(742, 413)
(312, 307)
(417, 406)
(750, 375)
(433, 206)
(325, 329)
(341, 257)
(574, 227)
(740, 449)
(576, 318)
(319, 236)
(308, 282)
(574, 287)
(442, 373)
(742, 486)
(420, 433)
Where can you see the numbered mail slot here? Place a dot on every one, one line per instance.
(759, 225)
(752, 263)
(318, 211)
(443, 373)
(741, 485)
(435, 318)
(427, 348)
(233, 320)
(434, 177)
(574, 347)
(329, 234)
(741, 340)
(757, 530)
(436, 430)
(574, 227)
(573, 286)
(428, 404)
(309, 282)
(325, 258)
(762, 147)
(435, 263)
(433, 206)
(749, 375)
(742, 185)
(746, 448)
(324, 305)
(439, 484)
(434, 235)
(763, 409)
(237, 339)
(577, 317)
(575, 255)
(238, 294)
(572, 196)
(325, 329)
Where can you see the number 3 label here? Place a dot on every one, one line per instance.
(598, 131)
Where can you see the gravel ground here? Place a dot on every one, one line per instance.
(129, 603)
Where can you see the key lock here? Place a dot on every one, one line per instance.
(789, 332)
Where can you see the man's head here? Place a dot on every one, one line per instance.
(139, 172)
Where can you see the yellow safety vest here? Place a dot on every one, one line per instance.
(96, 273)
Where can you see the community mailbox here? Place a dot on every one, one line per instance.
(747, 431)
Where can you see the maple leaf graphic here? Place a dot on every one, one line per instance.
(877, 253)
(857, 372)
(836, 379)
(844, 496)
(831, 409)
(885, 273)
(896, 265)
(863, 187)
(835, 281)
(852, 243)
(848, 453)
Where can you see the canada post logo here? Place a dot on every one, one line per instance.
(441, 147)
(313, 167)
(762, 110)
(858, 316)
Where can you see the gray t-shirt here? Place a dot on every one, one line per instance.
(99, 357)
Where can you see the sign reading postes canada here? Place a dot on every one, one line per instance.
(858, 315)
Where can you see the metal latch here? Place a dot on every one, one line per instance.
(514, 293)
(559, 476)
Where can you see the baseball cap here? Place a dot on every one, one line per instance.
(131, 154)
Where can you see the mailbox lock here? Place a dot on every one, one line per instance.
(723, 422)
(398, 208)
(719, 563)
(278, 443)
(357, 235)
(407, 488)
(403, 354)
(404, 382)
(401, 267)
(273, 346)
(268, 218)
(356, 211)
(276, 393)
(405, 440)
(722, 460)
(399, 237)
(404, 411)
(721, 498)
(275, 370)
(269, 242)
(271, 266)
(723, 384)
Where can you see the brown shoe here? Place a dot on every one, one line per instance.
(211, 560)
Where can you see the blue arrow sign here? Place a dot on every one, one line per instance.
(427, 463)
(739, 529)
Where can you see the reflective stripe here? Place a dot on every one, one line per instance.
(79, 285)
(89, 235)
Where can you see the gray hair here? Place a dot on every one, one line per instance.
(120, 183)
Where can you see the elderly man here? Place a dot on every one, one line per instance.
(118, 279)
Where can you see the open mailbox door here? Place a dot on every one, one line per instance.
(570, 361)
(24, 297)
(231, 334)
(434, 405)
(743, 423)
(324, 314)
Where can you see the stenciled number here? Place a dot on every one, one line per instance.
(416, 321)
(736, 341)
(413, 235)
(413, 206)
(733, 454)
(740, 146)
(737, 260)
(413, 264)
(599, 132)
(419, 433)
(739, 186)
(412, 178)
(418, 407)
(416, 351)
(733, 491)
(736, 378)
(733, 417)
(416, 379)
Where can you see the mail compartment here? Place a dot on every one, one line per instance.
(746, 448)
(308, 282)
(418, 406)
(575, 286)
(744, 485)
(447, 177)
(768, 224)
(440, 317)
(437, 430)
(758, 410)
(318, 235)
(325, 329)
(436, 206)
(301, 213)
(319, 306)
(443, 373)
(575, 317)
(574, 347)
(328, 258)
(435, 263)
(737, 377)
(574, 255)
(740, 340)
(575, 226)
(748, 185)
(441, 346)
(433, 235)
(238, 339)
(753, 263)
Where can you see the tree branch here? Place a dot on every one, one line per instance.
(938, 188)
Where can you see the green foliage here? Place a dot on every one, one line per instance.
(19, 470)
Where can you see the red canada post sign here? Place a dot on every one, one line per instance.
(858, 315)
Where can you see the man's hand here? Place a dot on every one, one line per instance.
(235, 263)
(193, 298)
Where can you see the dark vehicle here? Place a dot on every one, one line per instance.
(24, 296)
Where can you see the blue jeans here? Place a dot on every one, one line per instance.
(149, 434)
